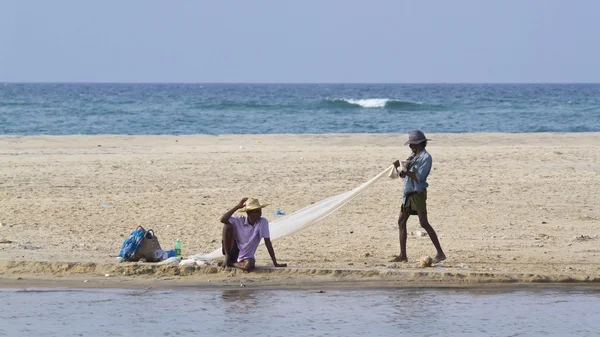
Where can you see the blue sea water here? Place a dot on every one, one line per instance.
(66, 109)
(247, 312)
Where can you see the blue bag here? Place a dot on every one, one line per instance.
(133, 243)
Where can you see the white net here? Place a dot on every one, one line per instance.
(306, 216)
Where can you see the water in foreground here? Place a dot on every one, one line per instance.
(383, 312)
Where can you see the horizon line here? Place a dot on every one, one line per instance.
(337, 83)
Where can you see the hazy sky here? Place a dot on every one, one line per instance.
(300, 41)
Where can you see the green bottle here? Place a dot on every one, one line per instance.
(178, 248)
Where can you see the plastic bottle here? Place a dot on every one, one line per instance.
(178, 248)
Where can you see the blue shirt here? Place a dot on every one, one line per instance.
(420, 166)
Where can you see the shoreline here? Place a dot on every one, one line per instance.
(152, 276)
(144, 275)
(497, 201)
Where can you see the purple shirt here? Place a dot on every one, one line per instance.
(248, 236)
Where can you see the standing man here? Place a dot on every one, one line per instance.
(418, 166)
(242, 234)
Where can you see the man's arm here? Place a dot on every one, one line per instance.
(229, 214)
(411, 175)
(272, 253)
(423, 170)
(400, 174)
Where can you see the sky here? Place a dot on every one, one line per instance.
(300, 41)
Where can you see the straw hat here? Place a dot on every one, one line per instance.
(252, 204)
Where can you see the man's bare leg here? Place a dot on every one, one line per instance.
(228, 242)
(247, 264)
(402, 219)
(434, 239)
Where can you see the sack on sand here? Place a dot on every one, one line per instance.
(149, 245)
(132, 244)
(141, 244)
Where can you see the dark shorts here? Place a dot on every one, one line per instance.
(415, 203)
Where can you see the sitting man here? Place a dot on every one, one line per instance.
(242, 234)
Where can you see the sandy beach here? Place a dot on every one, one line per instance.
(508, 208)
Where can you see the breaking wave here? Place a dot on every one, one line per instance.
(367, 103)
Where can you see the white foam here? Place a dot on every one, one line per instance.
(369, 102)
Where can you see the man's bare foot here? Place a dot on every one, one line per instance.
(439, 258)
(399, 259)
(225, 263)
(246, 265)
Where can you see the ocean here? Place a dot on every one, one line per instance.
(177, 109)
(247, 312)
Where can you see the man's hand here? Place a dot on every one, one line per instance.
(279, 264)
(242, 203)
(225, 217)
(397, 163)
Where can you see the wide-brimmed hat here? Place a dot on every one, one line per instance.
(416, 137)
(252, 204)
